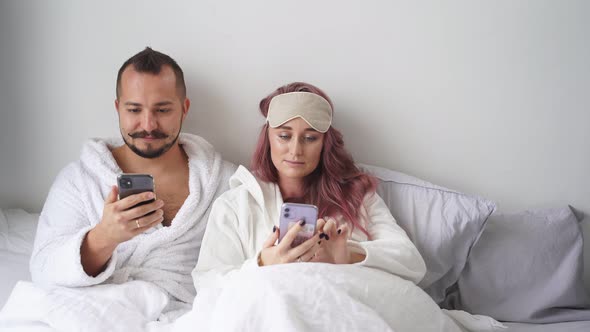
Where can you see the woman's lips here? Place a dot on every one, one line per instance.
(294, 163)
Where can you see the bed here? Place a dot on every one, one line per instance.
(480, 236)
(17, 232)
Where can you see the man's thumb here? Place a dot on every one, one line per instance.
(112, 196)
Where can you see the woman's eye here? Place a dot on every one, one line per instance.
(284, 137)
(310, 138)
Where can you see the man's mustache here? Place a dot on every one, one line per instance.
(154, 134)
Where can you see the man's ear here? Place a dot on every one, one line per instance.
(117, 105)
(187, 105)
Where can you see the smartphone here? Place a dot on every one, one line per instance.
(131, 184)
(291, 213)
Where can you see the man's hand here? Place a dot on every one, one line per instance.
(119, 223)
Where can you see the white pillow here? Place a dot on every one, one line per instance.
(442, 223)
(17, 230)
(3, 230)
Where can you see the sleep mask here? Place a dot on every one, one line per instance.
(312, 108)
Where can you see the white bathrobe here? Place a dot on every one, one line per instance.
(163, 256)
(242, 218)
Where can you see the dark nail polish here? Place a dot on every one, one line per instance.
(302, 222)
(339, 231)
(274, 229)
(320, 242)
(322, 235)
(327, 237)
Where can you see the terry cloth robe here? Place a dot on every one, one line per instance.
(163, 256)
(243, 217)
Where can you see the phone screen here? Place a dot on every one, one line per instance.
(292, 213)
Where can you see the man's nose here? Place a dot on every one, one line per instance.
(149, 121)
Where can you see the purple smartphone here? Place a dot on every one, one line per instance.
(291, 213)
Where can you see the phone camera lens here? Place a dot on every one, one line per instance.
(286, 215)
(126, 183)
(287, 209)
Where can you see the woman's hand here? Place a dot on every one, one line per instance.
(283, 253)
(334, 248)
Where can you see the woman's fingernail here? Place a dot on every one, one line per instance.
(339, 231)
(327, 237)
(302, 222)
(322, 235)
(274, 229)
(320, 242)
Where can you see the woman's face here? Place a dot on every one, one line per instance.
(295, 148)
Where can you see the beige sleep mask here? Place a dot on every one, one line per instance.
(312, 108)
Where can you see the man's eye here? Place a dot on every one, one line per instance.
(134, 110)
(163, 110)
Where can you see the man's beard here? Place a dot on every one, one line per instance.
(150, 154)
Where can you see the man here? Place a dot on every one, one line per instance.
(86, 236)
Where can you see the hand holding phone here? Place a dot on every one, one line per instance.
(136, 210)
(298, 240)
(131, 213)
(292, 213)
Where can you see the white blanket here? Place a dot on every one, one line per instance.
(289, 297)
(322, 297)
(130, 307)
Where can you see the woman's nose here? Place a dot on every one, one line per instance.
(296, 147)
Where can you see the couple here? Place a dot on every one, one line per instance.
(88, 237)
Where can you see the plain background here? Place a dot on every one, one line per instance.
(486, 97)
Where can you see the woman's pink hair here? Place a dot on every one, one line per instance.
(336, 186)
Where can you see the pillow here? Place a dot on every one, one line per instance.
(17, 230)
(442, 223)
(526, 267)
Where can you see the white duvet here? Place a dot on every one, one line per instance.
(289, 297)
(322, 297)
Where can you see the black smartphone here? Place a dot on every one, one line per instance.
(131, 184)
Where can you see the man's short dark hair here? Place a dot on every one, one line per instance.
(150, 61)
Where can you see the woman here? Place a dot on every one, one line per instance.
(243, 279)
(301, 158)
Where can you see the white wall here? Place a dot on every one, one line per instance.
(487, 97)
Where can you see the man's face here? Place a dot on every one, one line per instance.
(151, 111)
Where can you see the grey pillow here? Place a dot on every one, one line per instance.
(526, 267)
(442, 223)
